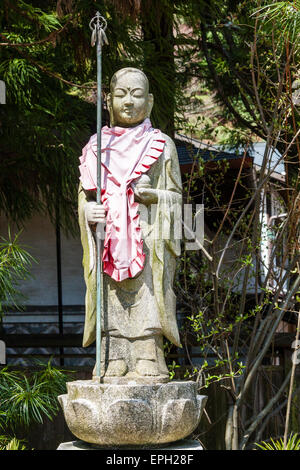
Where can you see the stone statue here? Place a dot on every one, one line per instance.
(139, 305)
(134, 403)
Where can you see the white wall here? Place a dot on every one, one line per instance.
(72, 271)
(40, 241)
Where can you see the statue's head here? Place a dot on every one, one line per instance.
(129, 101)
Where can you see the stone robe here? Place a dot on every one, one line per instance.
(145, 305)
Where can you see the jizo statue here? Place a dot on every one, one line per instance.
(130, 194)
(140, 213)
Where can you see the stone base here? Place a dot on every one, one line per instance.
(132, 414)
(127, 380)
(183, 445)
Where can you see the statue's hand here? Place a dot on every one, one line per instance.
(143, 192)
(145, 195)
(95, 213)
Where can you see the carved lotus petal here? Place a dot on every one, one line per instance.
(131, 419)
(183, 413)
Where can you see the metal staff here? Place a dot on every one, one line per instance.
(98, 26)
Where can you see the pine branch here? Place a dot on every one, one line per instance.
(50, 38)
(53, 74)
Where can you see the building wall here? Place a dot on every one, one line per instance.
(38, 237)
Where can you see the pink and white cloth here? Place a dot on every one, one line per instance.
(126, 153)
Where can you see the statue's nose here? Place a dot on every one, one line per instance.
(128, 100)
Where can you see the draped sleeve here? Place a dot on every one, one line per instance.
(89, 266)
(166, 242)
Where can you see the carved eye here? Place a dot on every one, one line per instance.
(119, 93)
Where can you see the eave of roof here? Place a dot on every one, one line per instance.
(189, 150)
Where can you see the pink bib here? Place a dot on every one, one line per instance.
(126, 153)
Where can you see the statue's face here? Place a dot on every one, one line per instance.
(130, 103)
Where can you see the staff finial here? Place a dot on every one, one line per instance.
(98, 25)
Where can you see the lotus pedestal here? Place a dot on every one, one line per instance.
(132, 414)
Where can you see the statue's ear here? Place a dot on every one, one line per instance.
(150, 104)
(110, 109)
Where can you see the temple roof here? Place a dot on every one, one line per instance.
(188, 149)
